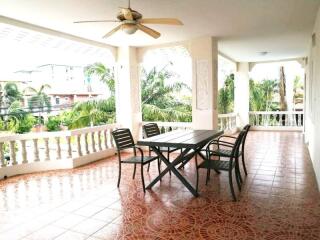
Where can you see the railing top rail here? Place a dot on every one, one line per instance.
(276, 112)
(225, 115)
(171, 124)
(42, 135)
(93, 129)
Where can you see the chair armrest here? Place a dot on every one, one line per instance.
(141, 152)
(226, 136)
(224, 142)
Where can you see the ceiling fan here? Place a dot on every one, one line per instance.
(132, 20)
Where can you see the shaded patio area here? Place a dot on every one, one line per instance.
(279, 200)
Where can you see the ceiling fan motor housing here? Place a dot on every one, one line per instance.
(136, 15)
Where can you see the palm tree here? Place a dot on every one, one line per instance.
(39, 100)
(11, 93)
(282, 90)
(159, 99)
(105, 74)
(91, 113)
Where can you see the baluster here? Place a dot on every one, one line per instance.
(69, 147)
(99, 141)
(286, 120)
(280, 120)
(105, 134)
(256, 119)
(79, 145)
(24, 151)
(111, 138)
(293, 120)
(3, 163)
(86, 144)
(36, 150)
(13, 152)
(47, 150)
(93, 142)
(299, 120)
(58, 148)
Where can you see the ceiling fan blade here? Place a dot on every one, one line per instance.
(169, 21)
(127, 13)
(148, 31)
(93, 21)
(112, 31)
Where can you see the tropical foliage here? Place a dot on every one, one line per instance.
(162, 100)
(226, 96)
(39, 99)
(18, 120)
(11, 94)
(262, 95)
(91, 113)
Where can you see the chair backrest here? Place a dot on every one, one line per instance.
(246, 129)
(150, 130)
(238, 143)
(123, 138)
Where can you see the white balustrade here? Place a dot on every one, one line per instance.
(227, 121)
(277, 119)
(50, 146)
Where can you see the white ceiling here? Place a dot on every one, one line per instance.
(244, 27)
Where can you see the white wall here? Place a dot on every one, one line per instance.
(312, 121)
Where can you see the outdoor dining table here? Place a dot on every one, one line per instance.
(191, 141)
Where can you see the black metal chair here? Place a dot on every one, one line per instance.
(152, 129)
(124, 140)
(246, 128)
(231, 151)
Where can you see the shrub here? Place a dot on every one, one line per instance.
(22, 125)
(53, 123)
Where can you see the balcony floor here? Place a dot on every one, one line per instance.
(279, 200)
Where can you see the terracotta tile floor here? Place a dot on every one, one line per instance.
(279, 200)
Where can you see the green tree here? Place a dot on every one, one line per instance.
(226, 96)
(160, 100)
(105, 75)
(11, 94)
(39, 100)
(262, 95)
(91, 113)
(18, 120)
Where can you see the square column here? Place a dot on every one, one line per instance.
(204, 53)
(242, 93)
(128, 98)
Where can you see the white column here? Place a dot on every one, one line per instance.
(241, 93)
(204, 53)
(128, 99)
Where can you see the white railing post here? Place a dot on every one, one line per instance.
(3, 163)
(86, 144)
(58, 148)
(36, 150)
(93, 142)
(99, 141)
(79, 145)
(24, 151)
(105, 138)
(13, 152)
(69, 147)
(47, 150)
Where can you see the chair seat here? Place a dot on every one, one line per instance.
(223, 153)
(137, 159)
(215, 164)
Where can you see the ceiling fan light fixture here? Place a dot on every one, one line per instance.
(129, 28)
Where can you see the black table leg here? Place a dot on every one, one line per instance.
(171, 166)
